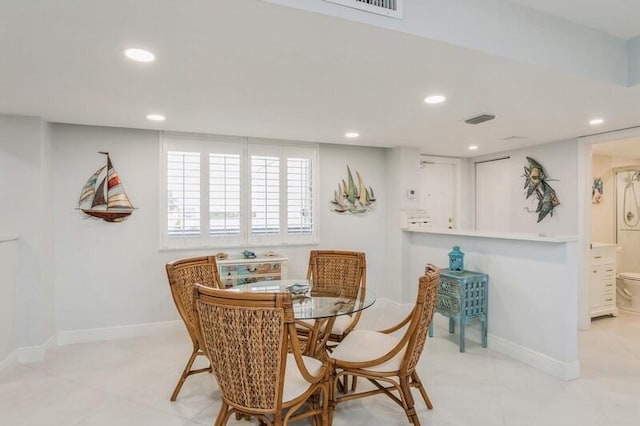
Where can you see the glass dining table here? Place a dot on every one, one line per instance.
(320, 309)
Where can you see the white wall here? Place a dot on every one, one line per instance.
(532, 295)
(25, 170)
(559, 161)
(354, 232)
(533, 286)
(403, 166)
(8, 263)
(109, 275)
(603, 214)
(488, 26)
(113, 274)
(634, 61)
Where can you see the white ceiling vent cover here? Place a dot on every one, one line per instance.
(392, 8)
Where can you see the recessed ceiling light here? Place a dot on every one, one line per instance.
(596, 121)
(156, 117)
(473, 147)
(435, 99)
(352, 134)
(140, 55)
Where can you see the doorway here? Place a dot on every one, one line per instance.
(599, 157)
(439, 190)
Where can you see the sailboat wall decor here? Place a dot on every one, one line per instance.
(351, 198)
(103, 195)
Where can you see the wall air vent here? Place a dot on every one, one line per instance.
(480, 119)
(392, 8)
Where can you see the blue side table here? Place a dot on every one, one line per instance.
(463, 297)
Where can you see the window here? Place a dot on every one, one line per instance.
(231, 191)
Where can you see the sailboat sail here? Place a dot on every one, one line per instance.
(109, 202)
(98, 199)
(116, 197)
(89, 188)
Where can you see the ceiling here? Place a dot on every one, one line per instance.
(620, 18)
(251, 68)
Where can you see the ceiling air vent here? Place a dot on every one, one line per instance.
(392, 8)
(480, 119)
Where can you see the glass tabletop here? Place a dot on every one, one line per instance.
(308, 304)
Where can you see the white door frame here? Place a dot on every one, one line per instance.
(584, 213)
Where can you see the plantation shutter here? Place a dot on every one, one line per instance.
(226, 191)
(299, 196)
(265, 195)
(183, 194)
(224, 194)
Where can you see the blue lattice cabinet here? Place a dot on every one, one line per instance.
(463, 297)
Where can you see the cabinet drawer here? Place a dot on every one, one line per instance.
(608, 270)
(609, 299)
(234, 280)
(448, 305)
(449, 288)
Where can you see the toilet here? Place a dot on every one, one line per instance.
(628, 288)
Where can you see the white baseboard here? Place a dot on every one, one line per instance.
(551, 366)
(537, 360)
(118, 332)
(9, 362)
(29, 354)
(32, 354)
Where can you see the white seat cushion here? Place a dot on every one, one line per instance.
(294, 384)
(339, 326)
(366, 345)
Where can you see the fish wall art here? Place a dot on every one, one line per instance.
(597, 190)
(352, 198)
(537, 183)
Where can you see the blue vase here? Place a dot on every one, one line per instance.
(456, 260)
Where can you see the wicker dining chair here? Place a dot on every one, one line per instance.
(386, 359)
(183, 274)
(342, 273)
(258, 364)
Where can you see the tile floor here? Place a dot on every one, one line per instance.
(128, 382)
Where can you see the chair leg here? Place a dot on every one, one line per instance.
(223, 415)
(408, 402)
(418, 384)
(331, 395)
(187, 372)
(324, 418)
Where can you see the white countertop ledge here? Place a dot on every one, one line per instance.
(7, 237)
(496, 235)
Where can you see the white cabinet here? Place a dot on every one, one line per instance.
(602, 280)
(238, 270)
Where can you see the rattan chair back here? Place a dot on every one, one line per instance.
(337, 272)
(422, 317)
(249, 335)
(183, 275)
(381, 369)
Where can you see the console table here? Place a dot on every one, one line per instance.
(237, 270)
(463, 297)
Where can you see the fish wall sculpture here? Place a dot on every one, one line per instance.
(536, 182)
